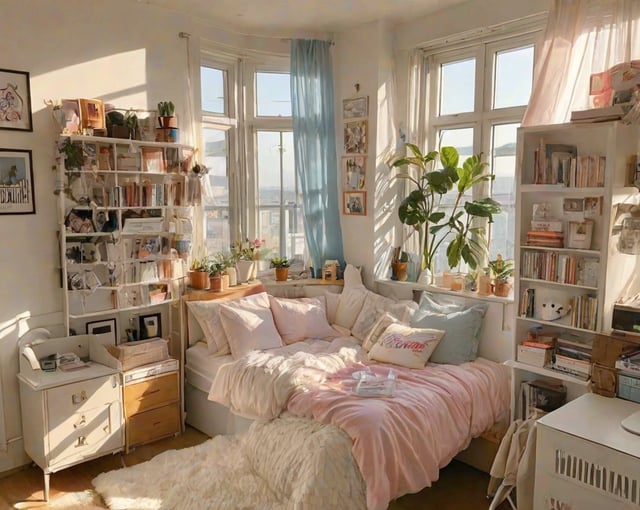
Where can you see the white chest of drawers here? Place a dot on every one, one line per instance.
(585, 460)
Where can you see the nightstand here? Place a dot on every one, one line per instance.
(151, 402)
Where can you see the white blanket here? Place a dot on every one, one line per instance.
(258, 385)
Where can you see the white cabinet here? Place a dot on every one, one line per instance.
(584, 459)
(69, 417)
(125, 218)
(574, 175)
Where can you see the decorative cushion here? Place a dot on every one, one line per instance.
(349, 306)
(297, 319)
(207, 314)
(375, 305)
(406, 346)
(376, 331)
(461, 325)
(331, 301)
(249, 325)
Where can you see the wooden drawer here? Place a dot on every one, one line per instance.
(64, 401)
(151, 393)
(154, 424)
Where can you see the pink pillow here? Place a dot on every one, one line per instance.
(406, 346)
(249, 325)
(297, 319)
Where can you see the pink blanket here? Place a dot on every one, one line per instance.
(401, 442)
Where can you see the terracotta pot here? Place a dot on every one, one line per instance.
(399, 271)
(282, 274)
(501, 289)
(215, 283)
(199, 279)
(168, 122)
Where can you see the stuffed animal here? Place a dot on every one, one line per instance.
(552, 311)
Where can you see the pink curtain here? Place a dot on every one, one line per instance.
(582, 37)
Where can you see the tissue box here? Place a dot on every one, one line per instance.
(136, 354)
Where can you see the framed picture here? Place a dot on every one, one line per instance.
(579, 235)
(355, 108)
(150, 326)
(104, 327)
(354, 203)
(79, 221)
(355, 137)
(15, 100)
(559, 157)
(16, 182)
(573, 205)
(71, 109)
(592, 207)
(353, 172)
(92, 114)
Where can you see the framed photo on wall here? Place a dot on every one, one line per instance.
(355, 137)
(16, 182)
(354, 203)
(15, 100)
(150, 326)
(355, 108)
(353, 172)
(104, 327)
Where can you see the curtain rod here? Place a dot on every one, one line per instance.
(289, 39)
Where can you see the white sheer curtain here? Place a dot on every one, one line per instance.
(582, 37)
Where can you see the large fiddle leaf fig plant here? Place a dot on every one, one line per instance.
(421, 208)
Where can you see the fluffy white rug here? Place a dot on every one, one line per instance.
(289, 463)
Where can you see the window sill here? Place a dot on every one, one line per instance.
(440, 290)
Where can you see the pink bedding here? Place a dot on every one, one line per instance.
(400, 443)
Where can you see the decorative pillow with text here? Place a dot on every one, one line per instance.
(406, 346)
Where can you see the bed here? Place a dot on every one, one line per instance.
(399, 444)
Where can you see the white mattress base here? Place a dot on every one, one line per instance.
(210, 417)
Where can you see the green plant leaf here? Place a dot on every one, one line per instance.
(436, 217)
(449, 157)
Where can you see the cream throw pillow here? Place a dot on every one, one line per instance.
(207, 314)
(376, 331)
(248, 323)
(406, 346)
(297, 319)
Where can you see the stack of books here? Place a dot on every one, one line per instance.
(545, 238)
(540, 397)
(573, 356)
(536, 352)
(584, 311)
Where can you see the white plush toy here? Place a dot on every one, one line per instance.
(552, 311)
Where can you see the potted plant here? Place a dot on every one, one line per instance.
(399, 265)
(281, 265)
(131, 122)
(216, 267)
(502, 272)
(166, 112)
(420, 209)
(199, 273)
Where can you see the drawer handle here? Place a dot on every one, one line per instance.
(78, 398)
(146, 394)
(81, 423)
(157, 423)
(82, 441)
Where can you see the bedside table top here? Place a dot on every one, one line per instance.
(596, 419)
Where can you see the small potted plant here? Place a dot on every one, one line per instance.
(216, 268)
(399, 266)
(502, 272)
(166, 112)
(281, 265)
(199, 273)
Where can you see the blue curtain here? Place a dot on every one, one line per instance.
(314, 142)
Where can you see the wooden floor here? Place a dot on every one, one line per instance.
(460, 487)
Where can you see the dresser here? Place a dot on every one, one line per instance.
(585, 459)
(68, 417)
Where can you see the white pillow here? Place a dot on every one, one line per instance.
(207, 314)
(406, 346)
(385, 320)
(349, 306)
(374, 304)
(331, 300)
(352, 277)
(249, 325)
(297, 319)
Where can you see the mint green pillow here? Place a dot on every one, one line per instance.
(461, 324)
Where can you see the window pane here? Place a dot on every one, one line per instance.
(213, 89)
(457, 86)
(273, 95)
(514, 74)
(503, 166)
(216, 196)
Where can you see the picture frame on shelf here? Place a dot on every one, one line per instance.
(79, 221)
(559, 158)
(355, 137)
(579, 234)
(150, 326)
(92, 114)
(16, 182)
(104, 327)
(573, 205)
(72, 116)
(356, 107)
(354, 203)
(592, 207)
(15, 100)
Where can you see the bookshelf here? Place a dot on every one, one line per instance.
(570, 180)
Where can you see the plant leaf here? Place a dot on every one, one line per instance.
(449, 157)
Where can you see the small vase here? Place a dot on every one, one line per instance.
(225, 281)
(198, 279)
(233, 276)
(399, 271)
(282, 274)
(244, 269)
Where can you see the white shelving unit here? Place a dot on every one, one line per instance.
(110, 271)
(619, 145)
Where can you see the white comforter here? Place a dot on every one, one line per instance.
(258, 385)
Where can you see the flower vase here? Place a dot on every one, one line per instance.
(225, 281)
(233, 276)
(244, 269)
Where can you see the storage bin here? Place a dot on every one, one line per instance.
(629, 387)
(135, 354)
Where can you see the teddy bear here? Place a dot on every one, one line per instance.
(552, 311)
